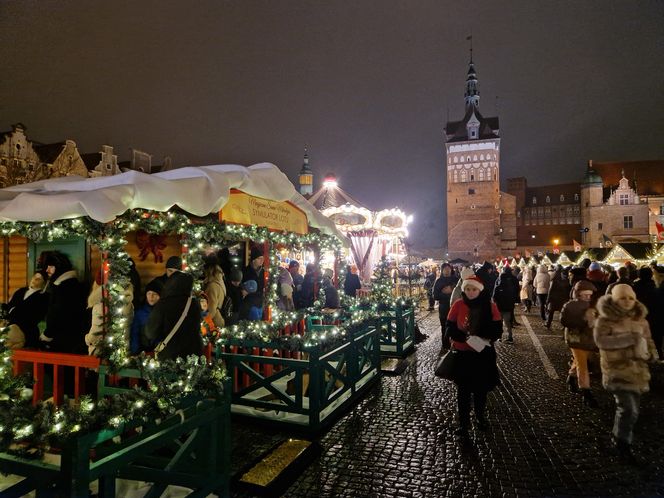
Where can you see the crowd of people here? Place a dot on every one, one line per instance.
(616, 314)
(56, 313)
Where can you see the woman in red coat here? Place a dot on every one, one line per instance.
(473, 325)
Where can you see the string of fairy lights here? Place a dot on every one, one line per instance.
(169, 381)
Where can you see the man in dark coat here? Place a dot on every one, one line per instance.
(173, 264)
(488, 275)
(559, 290)
(442, 292)
(309, 286)
(65, 318)
(171, 306)
(352, 283)
(254, 271)
(506, 295)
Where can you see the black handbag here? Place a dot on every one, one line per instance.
(445, 368)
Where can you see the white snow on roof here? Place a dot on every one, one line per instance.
(198, 190)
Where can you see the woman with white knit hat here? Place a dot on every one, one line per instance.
(473, 325)
(625, 348)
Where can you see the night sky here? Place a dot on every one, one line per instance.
(367, 84)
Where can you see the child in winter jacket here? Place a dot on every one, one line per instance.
(625, 346)
(577, 316)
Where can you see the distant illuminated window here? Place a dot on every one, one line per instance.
(548, 199)
(456, 159)
(562, 198)
(481, 174)
(534, 200)
(624, 199)
(576, 197)
(464, 176)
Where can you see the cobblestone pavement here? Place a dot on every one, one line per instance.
(399, 440)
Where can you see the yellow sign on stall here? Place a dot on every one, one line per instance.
(245, 209)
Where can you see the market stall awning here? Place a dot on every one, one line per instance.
(197, 190)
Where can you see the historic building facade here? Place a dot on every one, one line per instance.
(481, 220)
(25, 161)
(546, 216)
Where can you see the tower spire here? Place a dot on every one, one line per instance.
(472, 93)
(306, 176)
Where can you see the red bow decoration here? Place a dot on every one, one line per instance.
(150, 243)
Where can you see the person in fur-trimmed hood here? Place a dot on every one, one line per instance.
(625, 345)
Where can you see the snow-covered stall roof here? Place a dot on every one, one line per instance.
(198, 190)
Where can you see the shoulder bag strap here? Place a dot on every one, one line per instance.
(160, 347)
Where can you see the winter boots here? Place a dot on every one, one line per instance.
(572, 384)
(588, 399)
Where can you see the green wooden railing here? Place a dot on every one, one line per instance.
(397, 331)
(190, 448)
(307, 391)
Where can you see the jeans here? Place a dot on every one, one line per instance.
(463, 404)
(507, 322)
(627, 412)
(541, 299)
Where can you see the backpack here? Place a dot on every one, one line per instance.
(226, 308)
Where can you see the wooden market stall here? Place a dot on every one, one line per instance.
(100, 223)
(312, 373)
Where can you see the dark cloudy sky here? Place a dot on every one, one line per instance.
(368, 84)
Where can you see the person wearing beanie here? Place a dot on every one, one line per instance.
(152, 294)
(625, 346)
(173, 264)
(578, 316)
(506, 295)
(176, 302)
(251, 307)
(456, 292)
(598, 278)
(442, 292)
(473, 325)
(254, 271)
(208, 328)
(541, 282)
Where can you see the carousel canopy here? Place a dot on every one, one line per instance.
(197, 190)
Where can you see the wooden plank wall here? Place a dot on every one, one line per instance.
(147, 269)
(16, 266)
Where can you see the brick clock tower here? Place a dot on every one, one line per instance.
(473, 181)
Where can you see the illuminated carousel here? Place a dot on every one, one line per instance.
(372, 234)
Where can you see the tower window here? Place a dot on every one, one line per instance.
(624, 199)
(661, 209)
(471, 191)
(628, 222)
(562, 198)
(534, 200)
(548, 199)
(576, 197)
(599, 226)
(472, 177)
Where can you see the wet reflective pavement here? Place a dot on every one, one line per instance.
(399, 440)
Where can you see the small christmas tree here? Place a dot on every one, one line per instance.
(381, 284)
